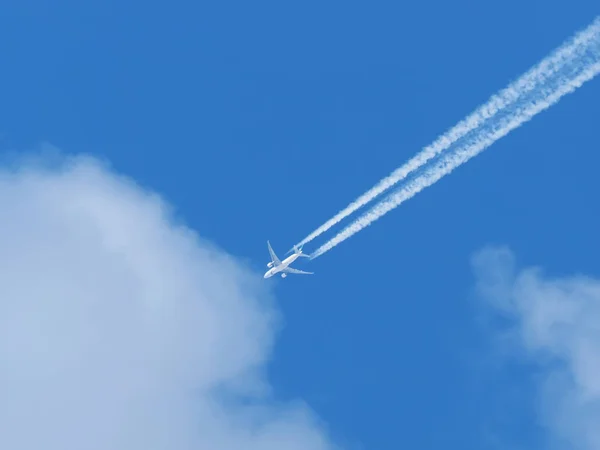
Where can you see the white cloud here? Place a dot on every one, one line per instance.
(557, 322)
(121, 329)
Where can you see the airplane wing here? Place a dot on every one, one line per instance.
(274, 257)
(300, 272)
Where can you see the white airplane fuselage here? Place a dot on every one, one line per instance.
(286, 262)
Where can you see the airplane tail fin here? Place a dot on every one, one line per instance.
(298, 249)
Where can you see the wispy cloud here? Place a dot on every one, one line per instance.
(555, 321)
(567, 54)
(122, 329)
(572, 77)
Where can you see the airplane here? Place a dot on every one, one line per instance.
(276, 266)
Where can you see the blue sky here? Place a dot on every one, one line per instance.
(260, 120)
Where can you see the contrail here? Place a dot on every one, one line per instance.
(458, 157)
(545, 69)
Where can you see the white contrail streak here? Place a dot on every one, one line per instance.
(458, 157)
(545, 69)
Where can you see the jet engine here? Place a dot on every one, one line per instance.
(283, 275)
(270, 264)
